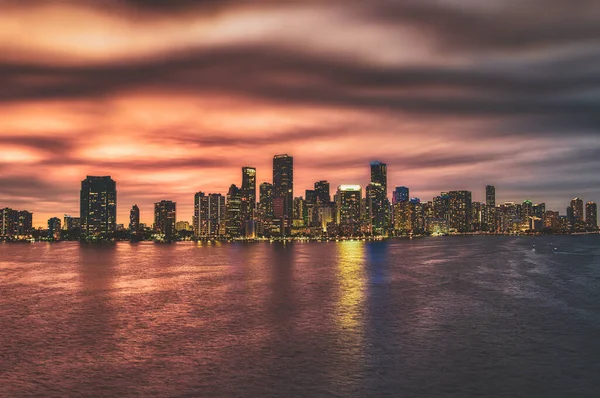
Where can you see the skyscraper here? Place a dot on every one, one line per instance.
(98, 207)
(25, 224)
(577, 208)
(400, 194)
(348, 204)
(376, 208)
(9, 221)
(209, 214)
(134, 220)
(165, 216)
(379, 174)
(234, 209)
(54, 228)
(490, 195)
(460, 211)
(322, 193)
(248, 193)
(591, 215)
(266, 200)
(283, 187)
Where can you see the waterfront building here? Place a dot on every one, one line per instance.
(591, 215)
(134, 220)
(379, 174)
(165, 214)
(54, 226)
(400, 194)
(248, 194)
(234, 208)
(376, 208)
(490, 195)
(460, 211)
(348, 209)
(322, 193)
(98, 207)
(283, 188)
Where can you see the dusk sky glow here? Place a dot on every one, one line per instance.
(175, 97)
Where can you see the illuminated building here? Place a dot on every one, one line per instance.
(400, 194)
(209, 215)
(25, 223)
(134, 220)
(182, 226)
(98, 207)
(526, 210)
(460, 211)
(552, 220)
(234, 208)
(379, 174)
(9, 222)
(490, 195)
(577, 209)
(375, 208)
(403, 217)
(348, 214)
(248, 193)
(71, 223)
(591, 215)
(441, 206)
(298, 211)
(54, 228)
(165, 214)
(266, 200)
(539, 210)
(322, 192)
(283, 188)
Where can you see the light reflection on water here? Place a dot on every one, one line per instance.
(432, 317)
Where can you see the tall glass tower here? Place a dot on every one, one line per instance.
(98, 207)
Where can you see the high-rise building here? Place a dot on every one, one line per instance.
(375, 208)
(460, 211)
(379, 174)
(577, 208)
(526, 209)
(248, 193)
(552, 220)
(283, 188)
(441, 206)
(9, 222)
(490, 195)
(25, 224)
(182, 226)
(266, 200)
(165, 218)
(400, 194)
(71, 223)
(54, 228)
(322, 192)
(348, 204)
(234, 209)
(209, 215)
(591, 215)
(98, 207)
(134, 220)
(298, 209)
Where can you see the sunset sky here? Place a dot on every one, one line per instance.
(174, 97)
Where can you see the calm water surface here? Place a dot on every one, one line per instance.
(438, 317)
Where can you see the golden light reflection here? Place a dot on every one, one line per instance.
(352, 283)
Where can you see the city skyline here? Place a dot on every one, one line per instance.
(246, 188)
(442, 91)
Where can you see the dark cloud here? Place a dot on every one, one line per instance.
(295, 78)
(41, 143)
(509, 25)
